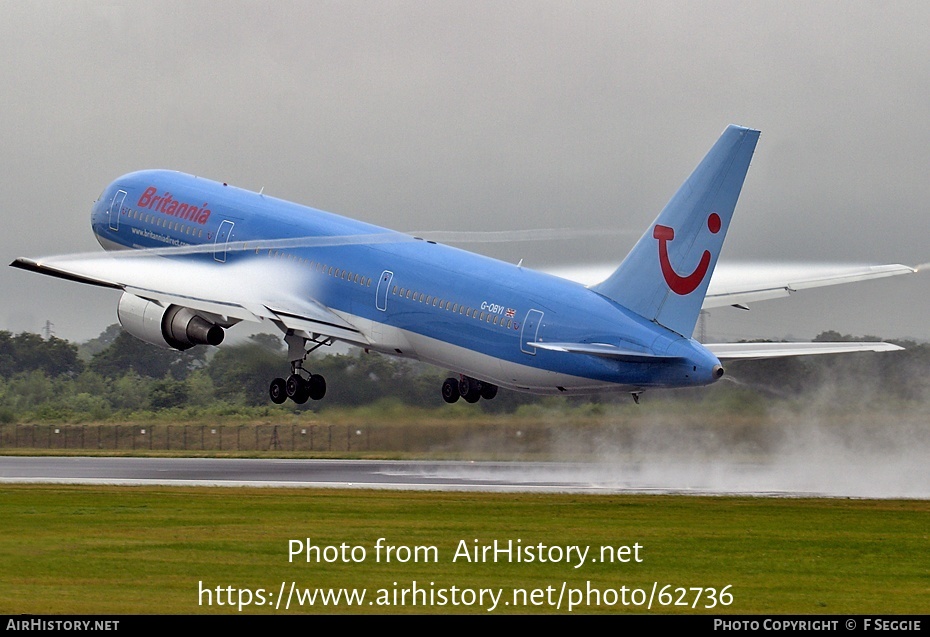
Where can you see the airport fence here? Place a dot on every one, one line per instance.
(280, 437)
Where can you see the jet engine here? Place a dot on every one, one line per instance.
(174, 326)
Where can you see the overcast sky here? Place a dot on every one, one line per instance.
(484, 116)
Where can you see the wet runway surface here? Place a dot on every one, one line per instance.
(478, 476)
(371, 474)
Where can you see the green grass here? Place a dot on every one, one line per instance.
(107, 550)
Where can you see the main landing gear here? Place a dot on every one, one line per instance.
(301, 385)
(468, 388)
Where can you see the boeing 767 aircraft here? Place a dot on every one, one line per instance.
(193, 257)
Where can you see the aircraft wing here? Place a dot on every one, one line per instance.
(741, 283)
(228, 292)
(756, 351)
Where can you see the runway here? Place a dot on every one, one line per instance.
(549, 477)
(367, 474)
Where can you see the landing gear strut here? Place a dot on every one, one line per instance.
(301, 385)
(468, 388)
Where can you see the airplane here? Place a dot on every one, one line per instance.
(193, 257)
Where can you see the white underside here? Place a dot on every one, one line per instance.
(503, 373)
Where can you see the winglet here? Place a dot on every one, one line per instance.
(665, 276)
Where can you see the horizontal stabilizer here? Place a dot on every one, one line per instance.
(605, 350)
(755, 351)
(738, 283)
(748, 283)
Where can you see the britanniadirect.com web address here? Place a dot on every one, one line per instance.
(559, 596)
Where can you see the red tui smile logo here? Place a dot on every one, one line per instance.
(683, 284)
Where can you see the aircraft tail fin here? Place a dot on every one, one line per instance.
(664, 277)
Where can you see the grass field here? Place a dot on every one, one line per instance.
(105, 550)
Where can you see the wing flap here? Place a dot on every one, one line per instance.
(757, 351)
(314, 318)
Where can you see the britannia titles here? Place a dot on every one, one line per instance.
(166, 204)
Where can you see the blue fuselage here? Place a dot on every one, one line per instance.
(463, 311)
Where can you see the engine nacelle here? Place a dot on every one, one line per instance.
(173, 327)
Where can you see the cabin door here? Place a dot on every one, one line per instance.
(222, 238)
(384, 288)
(530, 331)
(116, 207)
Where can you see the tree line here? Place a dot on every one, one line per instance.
(117, 376)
